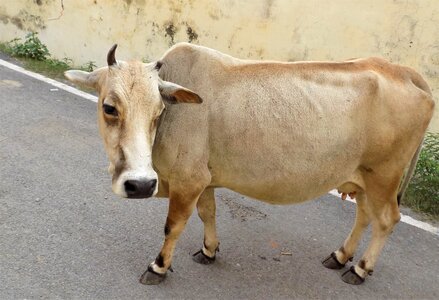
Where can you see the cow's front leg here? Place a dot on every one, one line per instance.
(180, 209)
(206, 211)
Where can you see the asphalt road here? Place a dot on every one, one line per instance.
(64, 235)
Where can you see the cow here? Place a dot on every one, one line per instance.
(279, 132)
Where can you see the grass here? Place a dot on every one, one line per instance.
(35, 56)
(422, 194)
(5, 48)
(52, 70)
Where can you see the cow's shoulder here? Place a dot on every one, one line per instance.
(194, 53)
(185, 62)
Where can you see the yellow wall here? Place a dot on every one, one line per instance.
(403, 31)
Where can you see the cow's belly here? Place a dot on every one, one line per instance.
(292, 183)
(279, 193)
(285, 165)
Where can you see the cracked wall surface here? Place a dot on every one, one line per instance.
(402, 31)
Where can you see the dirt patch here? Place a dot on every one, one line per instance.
(4, 19)
(24, 21)
(170, 30)
(191, 34)
(241, 211)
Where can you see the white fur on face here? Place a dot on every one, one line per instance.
(138, 160)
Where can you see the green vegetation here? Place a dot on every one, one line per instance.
(6, 47)
(423, 192)
(32, 47)
(36, 57)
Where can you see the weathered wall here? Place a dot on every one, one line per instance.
(403, 31)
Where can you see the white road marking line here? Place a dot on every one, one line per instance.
(406, 219)
(55, 83)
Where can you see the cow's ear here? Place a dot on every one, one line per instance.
(173, 93)
(85, 78)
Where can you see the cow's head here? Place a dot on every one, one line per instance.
(131, 100)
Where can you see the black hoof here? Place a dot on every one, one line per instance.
(201, 258)
(351, 277)
(151, 278)
(331, 262)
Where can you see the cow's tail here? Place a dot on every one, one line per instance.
(411, 170)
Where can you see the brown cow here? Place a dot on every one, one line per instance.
(278, 132)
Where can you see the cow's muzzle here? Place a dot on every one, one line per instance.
(140, 188)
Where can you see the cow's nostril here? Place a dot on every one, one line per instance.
(130, 187)
(151, 185)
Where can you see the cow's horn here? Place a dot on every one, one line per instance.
(111, 58)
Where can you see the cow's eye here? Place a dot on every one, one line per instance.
(110, 110)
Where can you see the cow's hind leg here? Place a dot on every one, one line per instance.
(206, 211)
(338, 258)
(181, 206)
(384, 212)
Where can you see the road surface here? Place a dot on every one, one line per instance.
(63, 234)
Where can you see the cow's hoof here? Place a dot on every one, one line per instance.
(201, 258)
(151, 278)
(331, 262)
(351, 277)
